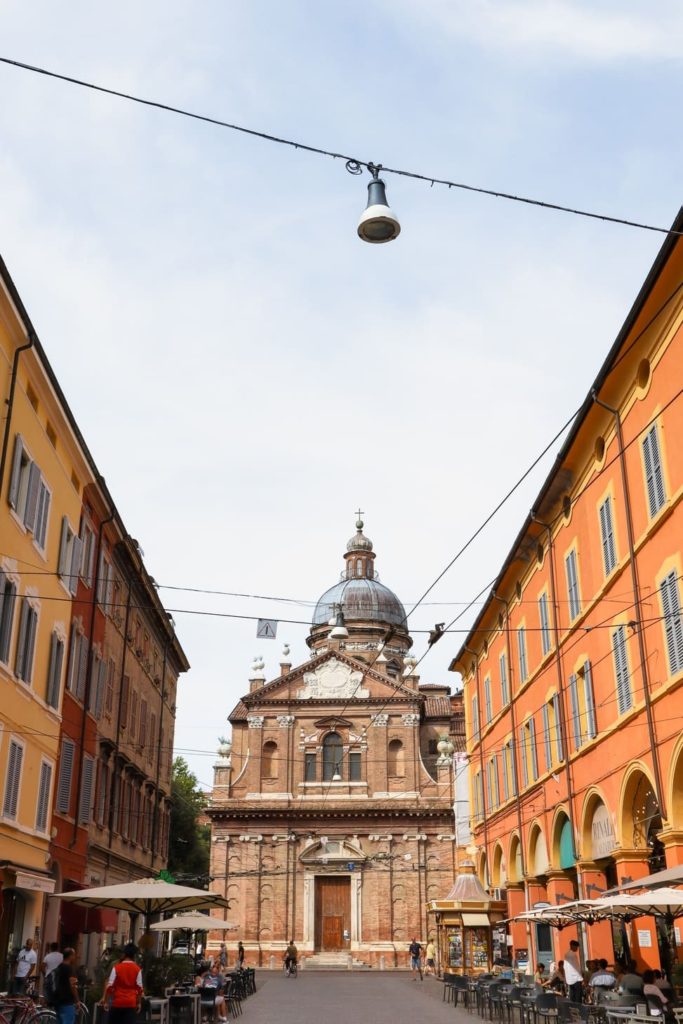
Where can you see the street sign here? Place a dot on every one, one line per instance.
(266, 629)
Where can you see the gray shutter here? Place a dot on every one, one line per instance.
(546, 738)
(31, 497)
(607, 530)
(657, 467)
(621, 670)
(523, 756)
(31, 627)
(42, 515)
(8, 596)
(72, 669)
(13, 494)
(43, 797)
(591, 730)
(101, 683)
(66, 764)
(75, 566)
(21, 642)
(54, 674)
(506, 792)
(576, 712)
(82, 667)
(558, 730)
(14, 759)
(85, 804)
(503, 681)
(63, 562)
(534, 753)
(487, 697)
(673, 629)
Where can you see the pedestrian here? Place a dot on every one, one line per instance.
(240, 955)
(572, 972)
(223, 956)
(124, 988)
(24, 968)
(65, 998)
(430, 957)
(415, 950)
(51, 962)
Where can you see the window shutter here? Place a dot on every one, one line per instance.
(546, 738)
(21, 642)
(85, 803)
(31, 497)
(14, 759)
(82, 667)
(591, 729)
(673, 628)
(8, 594)
(489, 803)
(624, 700)
(42, 515)
(657, 467)
(63, 563)
(521, 645)
(572, 585)
(55, 671)
(558, 728)
(101, 684)
(102, 792)
(43, 797)
(31, 627)
(13, 494)
(534, 752)
(475, 717)
(124, 701)
(487, 698)
(503, 681)
(576, 711)
(607, 531)
(75, 565)
(66, 764)
(143, 723)
(72, 670)
(523, 758)
(504, 756)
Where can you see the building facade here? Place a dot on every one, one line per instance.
(573, 670)
(62, 667)
(332, 812)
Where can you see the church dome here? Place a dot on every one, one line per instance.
(360, 599)
(359, 542)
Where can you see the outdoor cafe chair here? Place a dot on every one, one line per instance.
(207, 996)
(544, 1006)
(448, 992)
(233, 999)
(512, 1002)
(461, 987)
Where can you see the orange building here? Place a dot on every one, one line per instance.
(573, 670)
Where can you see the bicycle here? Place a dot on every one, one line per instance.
(23, 1010)
(290, 968)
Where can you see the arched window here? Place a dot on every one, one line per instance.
(359, 567)
(396, 759)
(332, 756)
(269, 760)
(368, 569)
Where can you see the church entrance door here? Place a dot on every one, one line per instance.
(332, 913)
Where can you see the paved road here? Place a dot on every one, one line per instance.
(340, 997)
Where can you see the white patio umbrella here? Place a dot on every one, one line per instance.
(659, 880)
(562, 915)
(146, 896)
(193, 923)
(663, 902)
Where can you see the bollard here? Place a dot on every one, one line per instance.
(381, 963)
(349, 961)
(272, 962)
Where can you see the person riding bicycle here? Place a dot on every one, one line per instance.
(291, 955)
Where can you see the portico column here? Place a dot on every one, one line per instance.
(673, 844)
(560, 890)
(633, 864)
(519, 930)
(599, 937)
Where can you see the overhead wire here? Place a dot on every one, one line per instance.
(354, 164)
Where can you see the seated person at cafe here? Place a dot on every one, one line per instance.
(630, 982)
(540, 975)
(664, 984)
(602, 978)
(557, 981)
(213, 979)
(652, 991)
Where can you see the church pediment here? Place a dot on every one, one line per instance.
(332, 722)
(330, 675)
(332, 851)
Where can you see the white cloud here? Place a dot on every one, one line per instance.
(591, 31)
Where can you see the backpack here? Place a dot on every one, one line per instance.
(50, 987)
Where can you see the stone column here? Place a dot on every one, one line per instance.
(560, 890)
(642, 931)
(599, 941)
(519, 930)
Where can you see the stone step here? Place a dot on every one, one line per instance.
(333, 962)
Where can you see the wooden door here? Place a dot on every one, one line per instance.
(332, 912)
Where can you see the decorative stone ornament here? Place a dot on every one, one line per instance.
(255, 721)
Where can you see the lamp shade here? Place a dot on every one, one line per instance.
(378, 222)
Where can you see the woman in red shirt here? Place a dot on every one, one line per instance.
(124, 987)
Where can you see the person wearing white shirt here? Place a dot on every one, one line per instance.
(25, 967)
(572, 972)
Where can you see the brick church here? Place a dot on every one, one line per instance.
(332, 812)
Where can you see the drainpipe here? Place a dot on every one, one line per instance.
(636, 600)
(560, 684)
(10, 403)
(162, 688)
(88, 677)
(481, 762)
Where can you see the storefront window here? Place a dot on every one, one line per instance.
(455, 949)
(476, 949)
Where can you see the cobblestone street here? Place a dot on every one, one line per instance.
(339, 997)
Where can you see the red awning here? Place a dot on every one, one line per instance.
(77, 920)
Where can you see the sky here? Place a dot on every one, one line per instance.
(245, 370)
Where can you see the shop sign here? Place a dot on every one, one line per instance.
(36, 883)
(602, 833)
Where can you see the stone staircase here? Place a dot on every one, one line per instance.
(332, 962)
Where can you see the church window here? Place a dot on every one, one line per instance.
(359, 567)
(309, 768)
(368, 570)
(269, 760)
(354, 767)
(396, 759)
(332, 756)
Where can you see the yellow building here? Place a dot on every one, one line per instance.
(42, 474)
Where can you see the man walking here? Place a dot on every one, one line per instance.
(65, 998)
(415, 950)
(572, 972)
(24, 968)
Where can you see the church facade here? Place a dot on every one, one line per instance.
(332, 812)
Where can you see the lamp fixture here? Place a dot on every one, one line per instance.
(339, 631)
(378, 222)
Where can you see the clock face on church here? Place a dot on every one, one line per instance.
(333, 679)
